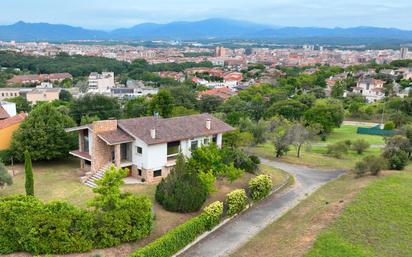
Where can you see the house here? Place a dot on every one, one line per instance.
(42, 95)
(7, 128)
(7, 110)
(223, 92)
(147, 146)
(371, 89)
(101, 83)
(38, 78)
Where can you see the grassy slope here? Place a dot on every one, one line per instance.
(377, 223)
(348, 132)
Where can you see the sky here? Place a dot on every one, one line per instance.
(111, 14)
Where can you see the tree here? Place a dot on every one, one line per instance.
(108, 191)
(136, 107)
(360, 146)
(300, 135)
(65, 95)
(5, 178)
(281, 136)
(29, 180)
(328, 113)
(162, 103)
(338, 90)
(182, 111)
(209, 103)
(86, 119)
(22, 105)
(259, 132)
(290, 109)
(42, 134)
(181, 191)
(104, 107)
(396, 152)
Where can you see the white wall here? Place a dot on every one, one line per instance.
(10, 108)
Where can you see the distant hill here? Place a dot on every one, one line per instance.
(205, 29)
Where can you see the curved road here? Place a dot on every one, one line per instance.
(238, 231)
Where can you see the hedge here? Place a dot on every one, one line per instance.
(260, 187)
(29, 225)
(184, 234)
(236, 201)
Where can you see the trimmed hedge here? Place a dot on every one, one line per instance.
(236, 201)
(260, 187)
(182, 235)
(29, 225)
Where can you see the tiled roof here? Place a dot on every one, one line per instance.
(83, 155)
(173, 129)
(222, 92)
(3, 113)
(12, 120)
(115, 137)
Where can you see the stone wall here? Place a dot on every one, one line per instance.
(102, 153)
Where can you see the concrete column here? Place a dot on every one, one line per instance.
(117, 155)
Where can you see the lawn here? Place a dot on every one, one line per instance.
(348, 132)
(377, 223)
(295, 232)
(60, 181)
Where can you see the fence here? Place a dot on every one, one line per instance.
(376, 130)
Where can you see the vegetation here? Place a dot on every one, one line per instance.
(260, 187)
(236, 202)
(58, 227)
(43, 134)
(370, 225)
(371, 164)
(5, 178)
(181, 191)
(29, 185)
(182, 235)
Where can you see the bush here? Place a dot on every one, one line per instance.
(372, 164)
(260, 187)
(180, 236)
(397, 159)
(337, 150)
(5, 178)
(239, 158)
(389, 125)
(27, 224)
(213, 212)
(5, 156)
(181, 191)
(236, 201)
(360, 146)
(254, 159)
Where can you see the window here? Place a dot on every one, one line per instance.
(193, 145)
(173, 148)
(139, 172)
(139, 150)
(157, 173)
(206, 141)
(214, 139)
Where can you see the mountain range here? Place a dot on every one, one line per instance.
(216, 29)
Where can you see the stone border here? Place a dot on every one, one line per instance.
(202, 236)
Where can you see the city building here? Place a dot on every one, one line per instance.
(371, 89)
(404, 53)
(101, 83)
(38, 78)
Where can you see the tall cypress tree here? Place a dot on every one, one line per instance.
(29, 174)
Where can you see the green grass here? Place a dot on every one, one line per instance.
(348, 132)
(377, 223)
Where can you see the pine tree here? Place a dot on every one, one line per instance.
(29, 174)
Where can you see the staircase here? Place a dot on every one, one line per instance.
(91, 181)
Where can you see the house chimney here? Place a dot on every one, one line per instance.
(209, 124)
(153, 133)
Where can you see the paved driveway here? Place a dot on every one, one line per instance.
(238, 231)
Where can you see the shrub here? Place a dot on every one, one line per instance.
(180, 236)
(208, 180)
(360, 146)
(239, 159)
(397, 159)
(181, 191)
(254, 159)
(27, 224)
(389, 125)
(372, 164)
(260, 187)
(29, 181)
(213, 212)
(337, 150)
(5, 156)
(5, 178)
(236, 201)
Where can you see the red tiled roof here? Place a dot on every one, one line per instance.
(173, 129)
(115, 137)
(3, 113)
(12, 120)
(39, 77)
(222, 92)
